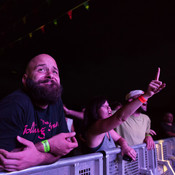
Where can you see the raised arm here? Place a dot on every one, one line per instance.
(126, 111)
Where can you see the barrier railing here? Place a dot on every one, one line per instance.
(145, 162)
(158, 161)
(165, 156)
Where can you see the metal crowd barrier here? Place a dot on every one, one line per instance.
(78, 165)
(160, 161)
(145, 162)
(165, 156)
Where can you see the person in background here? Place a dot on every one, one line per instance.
(168, 126)
(75, 123)
(33, 129)
(70, 124)
(136, 129)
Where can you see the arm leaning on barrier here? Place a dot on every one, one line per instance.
(125, 148)
(24, 158)
(33, 155)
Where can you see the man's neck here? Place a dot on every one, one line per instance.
(42, 106)
(136, 114)
(170, 124)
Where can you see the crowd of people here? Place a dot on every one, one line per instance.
(36, 128)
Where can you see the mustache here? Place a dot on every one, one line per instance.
(46, 81)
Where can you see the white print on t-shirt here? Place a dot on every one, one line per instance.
(34, 129)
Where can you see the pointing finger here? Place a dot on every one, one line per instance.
(158, 74)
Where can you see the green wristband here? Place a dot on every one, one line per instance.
(46, 145)
(148, 134)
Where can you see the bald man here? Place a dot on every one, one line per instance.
(33, 129)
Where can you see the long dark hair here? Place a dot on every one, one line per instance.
(91, 111)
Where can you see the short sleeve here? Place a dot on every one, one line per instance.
(11, 116)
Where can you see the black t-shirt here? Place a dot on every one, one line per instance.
(18, 116)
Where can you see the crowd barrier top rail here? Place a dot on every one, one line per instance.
(157, 161)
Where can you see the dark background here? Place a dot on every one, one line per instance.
(112, 48)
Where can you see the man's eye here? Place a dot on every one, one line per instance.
(41, 70)
(55, 72)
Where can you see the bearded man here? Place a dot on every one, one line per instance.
(33, 129)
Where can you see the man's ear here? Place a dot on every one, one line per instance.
(24, 78)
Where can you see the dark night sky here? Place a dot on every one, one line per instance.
(109, 50)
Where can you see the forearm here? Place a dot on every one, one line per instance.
(122, 142)
(40, 147)
(170, 134)
(126, 149)
(149, 142)
(76, 114)
(124, 145)
(60, 144)
(126, 111)
(46, 158)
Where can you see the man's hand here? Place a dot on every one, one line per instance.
(149, 142)
(14, 161)
(152, 132)
(61, 144)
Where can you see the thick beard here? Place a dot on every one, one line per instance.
(141, 110)
(43, 95)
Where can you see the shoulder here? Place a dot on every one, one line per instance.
(146, 117)
(18, 94)
(17, 98)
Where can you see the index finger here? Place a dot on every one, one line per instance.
(158, 74)
(10, 155)
(70, 134)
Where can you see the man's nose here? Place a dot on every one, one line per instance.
(49, 74)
